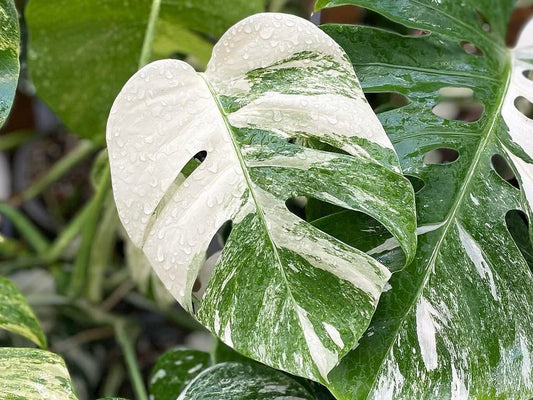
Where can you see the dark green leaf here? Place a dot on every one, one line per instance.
(457, 323)
(82, 52)
(174, 370)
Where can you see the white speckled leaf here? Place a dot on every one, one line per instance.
(282, 292)
(231, 381)
(32, 374)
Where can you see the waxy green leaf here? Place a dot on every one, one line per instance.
(457, 322)
(9, 56)
(16, 315)
(229, 381)
(272, 79)
(82, 53)
(32, 374)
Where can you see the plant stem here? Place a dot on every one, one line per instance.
(126, 342)
(102, 250)
(80, 152)
(276, 5)
(25, 227)
(11, 140)
(79, 274)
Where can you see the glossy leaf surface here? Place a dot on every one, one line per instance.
(16, 315)
(229, 381)
(32, 374)
(457, 322)
(82, 53)
(273, 78)
(174, 370)
(9, 56)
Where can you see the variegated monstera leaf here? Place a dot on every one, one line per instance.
(282, 292)
(458, 321)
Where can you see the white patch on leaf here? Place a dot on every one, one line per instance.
(426, 331)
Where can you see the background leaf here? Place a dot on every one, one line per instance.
(9, 56)
(277, 275)
(244, 382)
(457, 322)
(32, 374)
(16, 315)
(81, 55)
(174, 370)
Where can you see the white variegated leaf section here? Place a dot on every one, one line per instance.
(520, 126)
(167, 113)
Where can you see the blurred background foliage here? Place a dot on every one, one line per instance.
(61, 241)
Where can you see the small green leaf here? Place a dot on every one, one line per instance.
(278, 276)
(32, 374)
(174, 370)
(16, 315)
(82, 52)
(231, 381)
(9, 56)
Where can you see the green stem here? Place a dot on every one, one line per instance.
(79, 153)
(81, 266)
(276, 5)
(14, 139)
(126, 342)
(102, 250)
(25, 227)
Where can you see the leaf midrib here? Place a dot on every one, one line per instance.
(250, 185)
(451, 216)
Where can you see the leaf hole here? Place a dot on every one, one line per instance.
(443, 155)
(483, 21)
(471, 48)
(417, 183)
(386, 101)
(524, 106)
(504, 170)
(459, 109)
(353, 228)
(213, 253)
(518, 226)
(528, 74)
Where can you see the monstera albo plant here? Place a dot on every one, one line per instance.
(334, 279)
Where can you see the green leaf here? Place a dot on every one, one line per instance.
(229, 381)
(9, 56)
(16, 315)
(31, 374)
(457, 323)
(174, 370)
(278, 276)
(82, 53)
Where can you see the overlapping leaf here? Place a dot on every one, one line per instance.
(9, 56)
(16, 315)
(282, 292)
(457, 322)
(82, 53)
